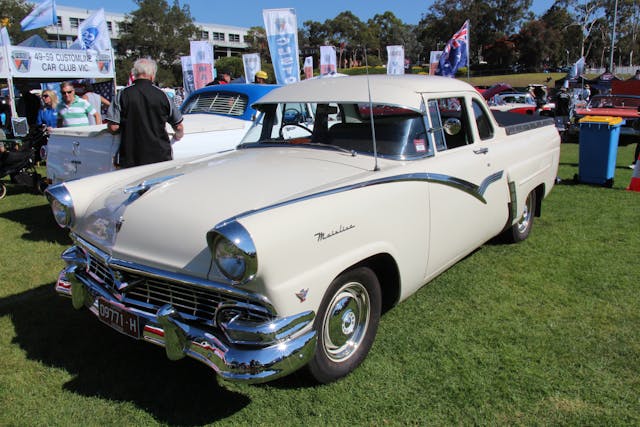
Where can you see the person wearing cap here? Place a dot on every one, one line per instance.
(261, 77)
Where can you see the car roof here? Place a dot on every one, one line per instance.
(381, 89)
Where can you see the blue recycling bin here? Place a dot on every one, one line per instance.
(599, 137)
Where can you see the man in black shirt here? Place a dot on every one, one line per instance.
(140, 113)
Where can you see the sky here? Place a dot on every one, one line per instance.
(249, 12)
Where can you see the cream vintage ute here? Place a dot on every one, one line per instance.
(285, 252)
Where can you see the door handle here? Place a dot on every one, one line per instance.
(483, 150)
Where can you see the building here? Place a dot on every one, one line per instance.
(227, 40)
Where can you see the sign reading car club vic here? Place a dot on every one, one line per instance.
(282, 34)
(58, 63)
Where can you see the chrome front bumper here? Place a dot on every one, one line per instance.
(235, 362)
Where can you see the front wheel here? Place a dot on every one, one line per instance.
(347, 323)
(521, 229)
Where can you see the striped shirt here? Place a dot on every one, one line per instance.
(76, 114)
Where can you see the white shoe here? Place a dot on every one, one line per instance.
(632, 166)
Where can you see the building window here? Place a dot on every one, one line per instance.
(234, 38)
(75, 23)
(59, 21)
(218, 36)
(110, 26)
(204, 35)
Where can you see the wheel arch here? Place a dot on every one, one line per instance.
(386, 270)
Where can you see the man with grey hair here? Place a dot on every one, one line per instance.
(140, 113)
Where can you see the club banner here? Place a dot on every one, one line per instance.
(395, 61)
(4, 53)
(434, 60)
(187, 75)
(328, 60)
(27, 62)
(201, 63)
(282, 34)
(251, 62)
(308, 67)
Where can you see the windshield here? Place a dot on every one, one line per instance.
(400, 133)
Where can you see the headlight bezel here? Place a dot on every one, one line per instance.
(61, 205)
(235, 241)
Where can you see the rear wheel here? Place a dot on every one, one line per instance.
(346, 324)
(521, 229)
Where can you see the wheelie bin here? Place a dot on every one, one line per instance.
(599, 137)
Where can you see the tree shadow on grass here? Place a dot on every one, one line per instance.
(40, 225)
(108, 365)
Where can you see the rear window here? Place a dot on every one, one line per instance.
(226, 103)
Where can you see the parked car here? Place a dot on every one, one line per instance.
(625, 106)
(285, 252)
(215, 119)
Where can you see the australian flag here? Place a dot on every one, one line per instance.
(455, 53)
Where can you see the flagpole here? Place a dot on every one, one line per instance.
(468, 56)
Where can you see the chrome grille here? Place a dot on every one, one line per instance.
(148, 294)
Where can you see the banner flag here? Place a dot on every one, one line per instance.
(395, 61)
(328, 60)
(187, 75)
(5, 42)
(282, 34)
(455, 53)
(93, 33)
(578, 69)
(251, 62)
(201, 63)
(308, 67)
(43, 15)
(434, 59)
(38, 62)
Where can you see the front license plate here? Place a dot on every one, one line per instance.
(119, 319)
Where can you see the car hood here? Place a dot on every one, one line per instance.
(162, 219)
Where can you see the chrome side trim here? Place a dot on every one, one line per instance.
(470, 188)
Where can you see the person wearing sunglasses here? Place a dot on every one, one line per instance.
(48, 114)
(73, 110)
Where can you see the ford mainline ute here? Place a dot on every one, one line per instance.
(285, 252)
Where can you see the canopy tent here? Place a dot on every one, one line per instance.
(34, 41)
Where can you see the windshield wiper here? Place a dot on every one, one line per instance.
(331, 146)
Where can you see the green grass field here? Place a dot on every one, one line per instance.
(546, 332)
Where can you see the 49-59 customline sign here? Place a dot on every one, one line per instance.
(53, 63)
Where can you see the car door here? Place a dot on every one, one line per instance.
(468, 191)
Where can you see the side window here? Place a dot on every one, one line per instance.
(485, 130)
(449, 123)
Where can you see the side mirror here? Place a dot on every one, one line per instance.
(452, 126)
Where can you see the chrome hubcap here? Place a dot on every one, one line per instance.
(523, 224)
(345, 321)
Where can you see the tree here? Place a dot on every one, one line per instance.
(11, 13)
(388, 30)
(158, 31)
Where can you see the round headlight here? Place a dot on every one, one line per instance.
(233, 252)
(61, 204)
(230, 259)
(61, 213)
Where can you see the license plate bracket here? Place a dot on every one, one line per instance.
(119, 319)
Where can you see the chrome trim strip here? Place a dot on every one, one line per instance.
(159, 274)
(470, 188)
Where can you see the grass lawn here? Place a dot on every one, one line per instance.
(545, 332)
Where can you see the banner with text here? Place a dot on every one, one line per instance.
(282, 34)
(33, 62)
(4, 55)
(251, 62)
(434, 60)
(187, 75)
(328, 60)
(308, 67)
(201, 63)
(395, 61)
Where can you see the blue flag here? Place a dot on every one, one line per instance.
(455, 53)
(281, 27)
(41, 16)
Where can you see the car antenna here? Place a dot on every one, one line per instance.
(373, 128)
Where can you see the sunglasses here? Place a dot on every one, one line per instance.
(67, 92)
(45, 96)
